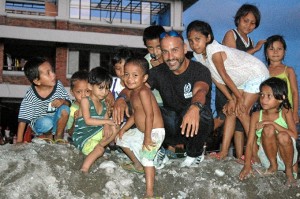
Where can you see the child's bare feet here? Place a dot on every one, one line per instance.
(291, 182)
(149, 194)
(84, 170)
(219, 156)
(270, 171)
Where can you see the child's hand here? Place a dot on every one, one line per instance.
(76, 113)
(120, 134)
(229, 108)
(111, 122)
(57, 102)
(107, 131)
(259, 125)
(240, 107)
(296, 117)
(259, 45)
(244, 174)
(148, 144)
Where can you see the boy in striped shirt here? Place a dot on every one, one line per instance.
(45, 106)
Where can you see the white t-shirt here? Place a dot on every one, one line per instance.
(155, 92)
(239, 65)
(116, 87)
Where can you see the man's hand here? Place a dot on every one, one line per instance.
(190, 122)
(120, 107)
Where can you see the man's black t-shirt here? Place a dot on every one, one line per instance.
(176, 90)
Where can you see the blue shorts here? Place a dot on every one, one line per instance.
(252, 86)
(49, 122)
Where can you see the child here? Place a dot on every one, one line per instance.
(118, 62)
(151, 41)
(274, 51)
(141, 145)
(93, 128)
(246, 20)
(45, 106)
(79, 89)
(236, 73)
(275, 131)
(154, 57)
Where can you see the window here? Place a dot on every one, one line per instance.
(122, 11)
(82, 59)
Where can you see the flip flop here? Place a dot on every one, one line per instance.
(269, 173)
(241, 160)
(215, 155)
(61, 141)
(130, 167)
(48, 140)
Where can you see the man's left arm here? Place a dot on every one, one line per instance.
(191, 120)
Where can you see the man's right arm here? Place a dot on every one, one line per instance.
(120, 106)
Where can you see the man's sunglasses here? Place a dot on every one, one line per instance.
(171, 33)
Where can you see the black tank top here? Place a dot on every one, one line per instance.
(240, 44)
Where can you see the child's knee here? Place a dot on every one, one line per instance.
(99, 148)
(64, 111)
(43, 125)
(284, 139)
(268, 131)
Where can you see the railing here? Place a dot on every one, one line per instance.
(25, 7)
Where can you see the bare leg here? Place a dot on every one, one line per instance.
(150, 176)
(92, 157)
(136, 162)
(239, 143)
(255, 157)
(270, 146)
(98, 151)
(227, 135)
(286, 151)
(61, 125)
(218, 122)
(249, 100)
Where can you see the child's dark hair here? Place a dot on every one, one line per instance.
(244, 10)
(122, 53)
(82, 75)
(140, 62)
(270, 41)
(100, 75)
(31, 68)
(280, 91)
(202, 27)
(152, 32)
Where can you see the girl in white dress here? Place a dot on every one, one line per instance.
(241, 72)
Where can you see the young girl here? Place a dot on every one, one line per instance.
(93, 129)
(275, 131)
(246, 19)
(274, 50)
(231, 69)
